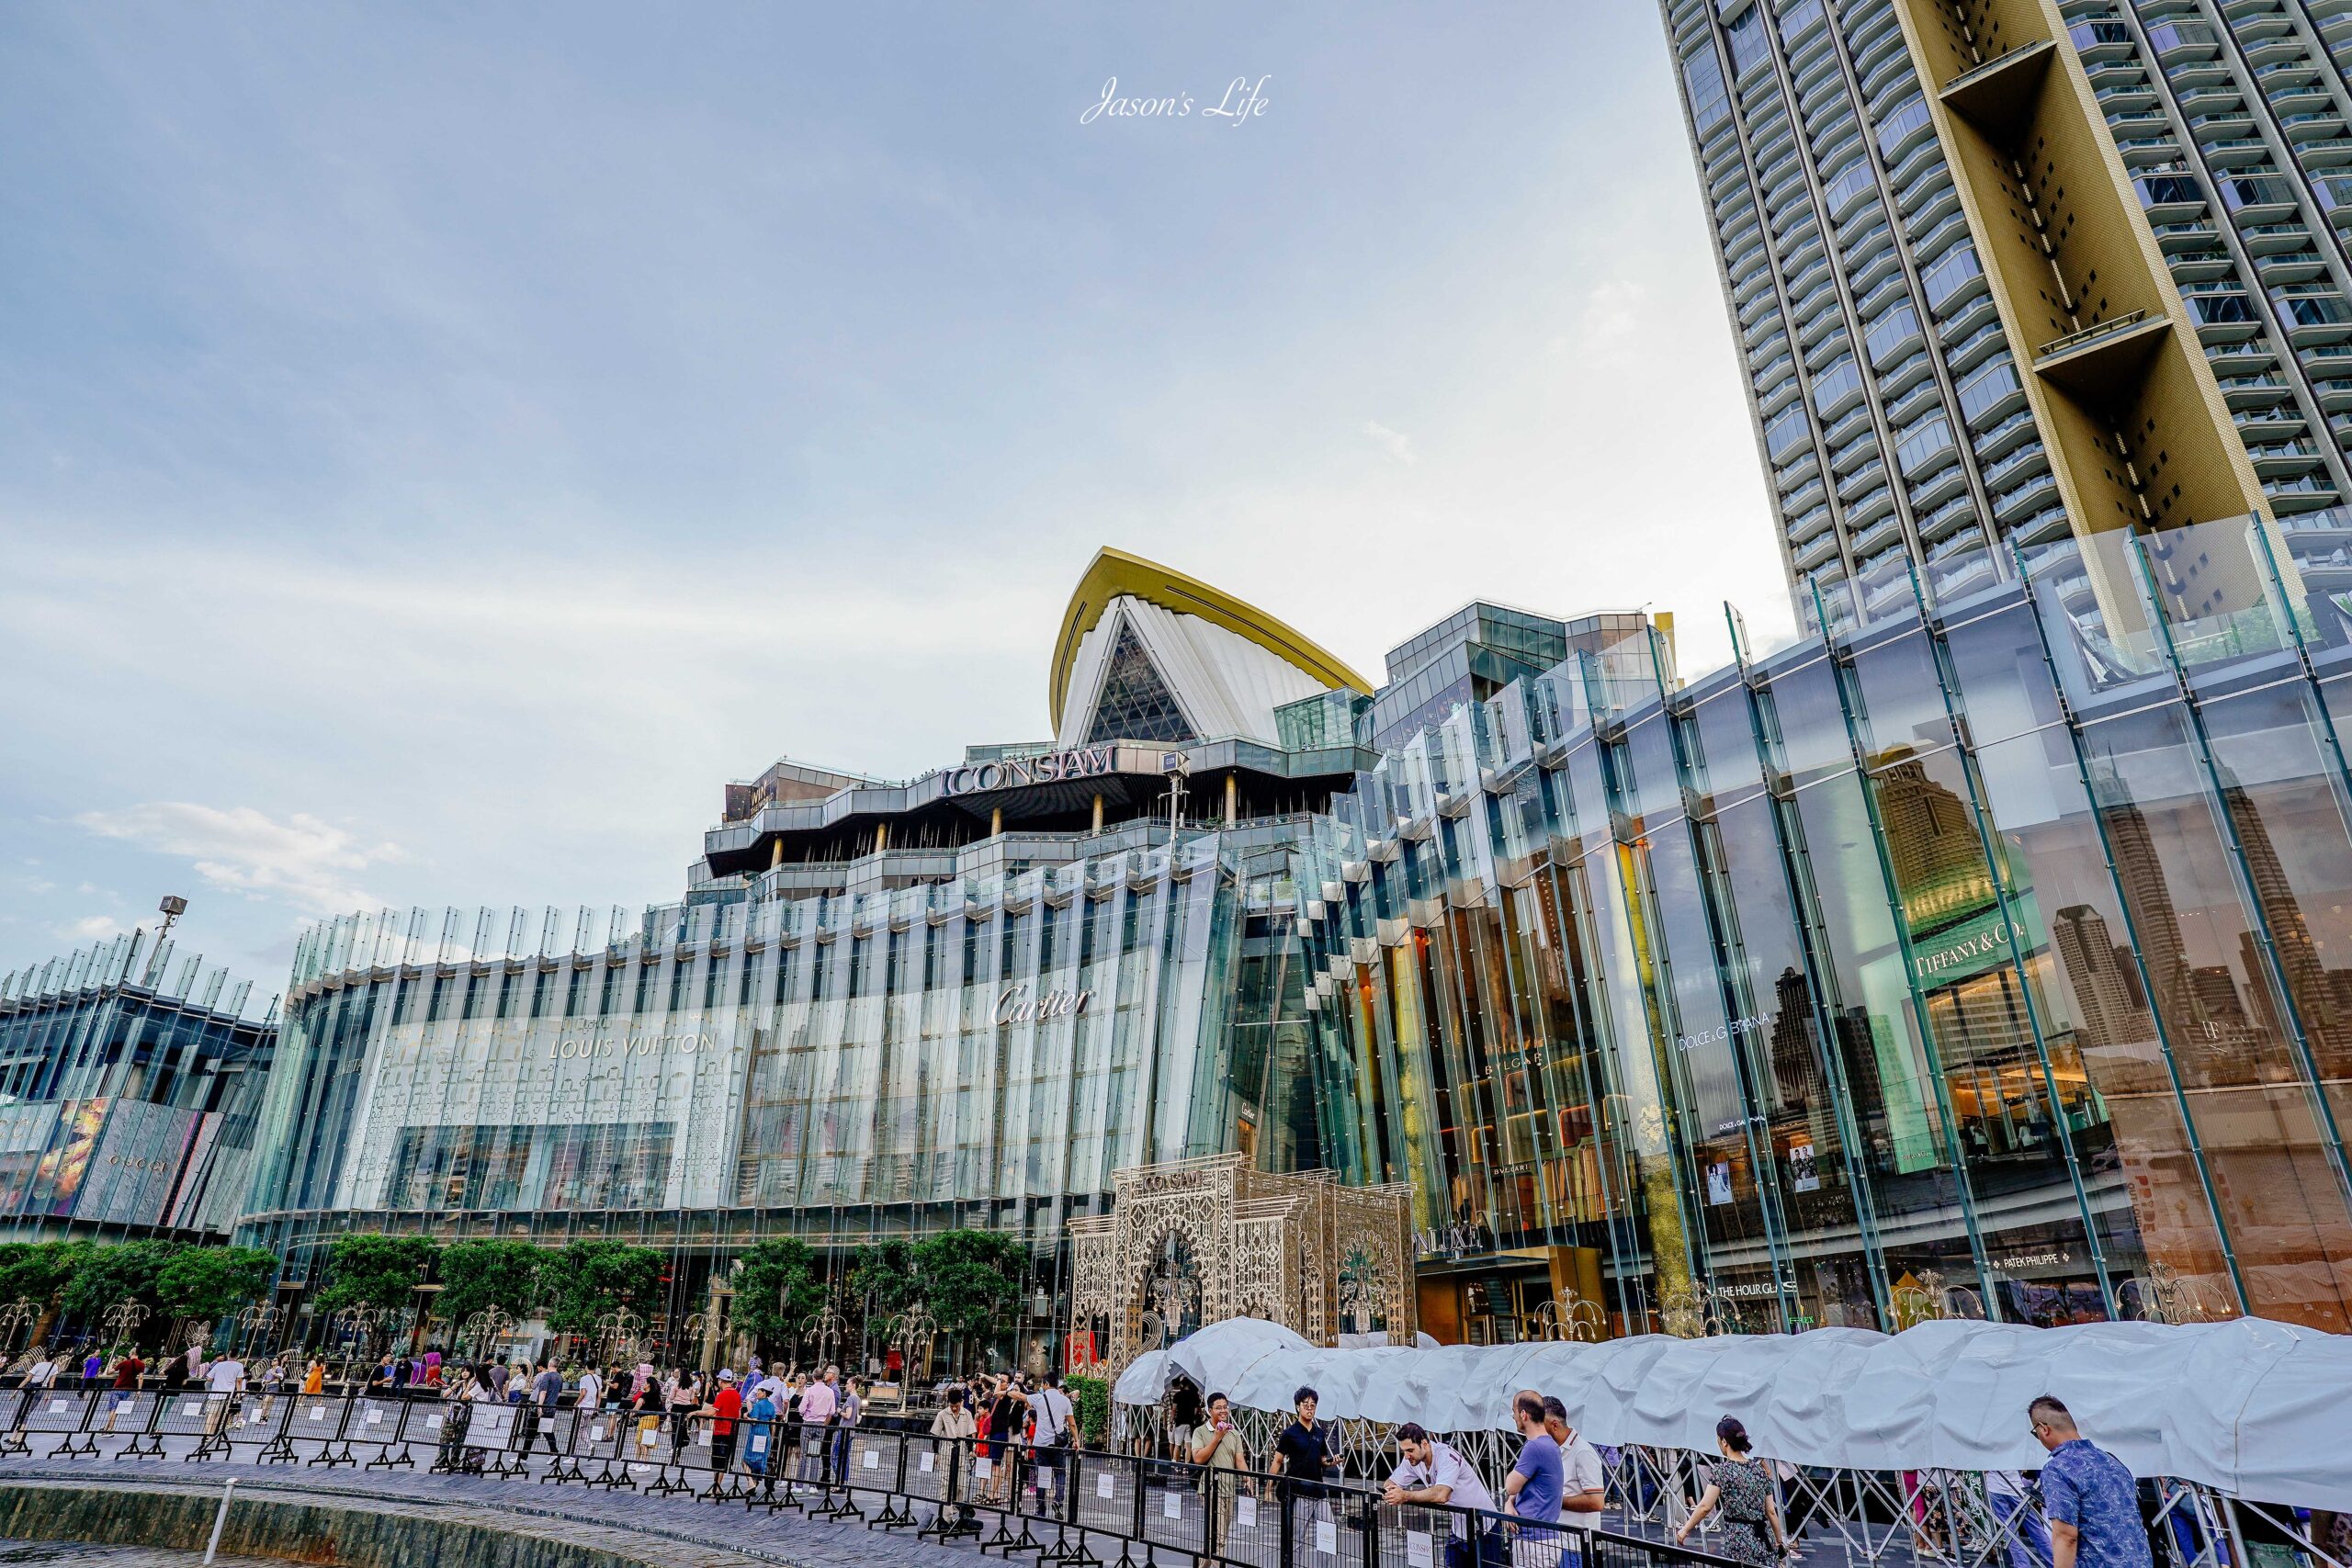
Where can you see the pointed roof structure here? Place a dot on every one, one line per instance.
(1149, 653)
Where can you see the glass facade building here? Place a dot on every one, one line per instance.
(129, 1081)
(2006, 273)
(1992, 957)
(1988, 961)
(978, 1050)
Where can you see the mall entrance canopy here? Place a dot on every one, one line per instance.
(2252, 1407)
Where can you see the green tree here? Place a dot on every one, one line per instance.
(210, 1282)
(375, 1271)
(38, 1270)
(589, 1279)
(1090, 1399)
(777, 1291)
(971, 1278)
(125, 1271)
(882, 1281)
(478, 1274)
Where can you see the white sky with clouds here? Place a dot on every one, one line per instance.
(438, 448)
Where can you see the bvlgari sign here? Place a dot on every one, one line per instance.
(1086, 762)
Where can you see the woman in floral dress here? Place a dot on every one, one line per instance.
(1741, 1490)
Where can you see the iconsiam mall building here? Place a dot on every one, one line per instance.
(1988, 961)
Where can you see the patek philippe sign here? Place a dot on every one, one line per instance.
(1086, 762)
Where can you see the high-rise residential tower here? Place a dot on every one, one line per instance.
(2013, 276)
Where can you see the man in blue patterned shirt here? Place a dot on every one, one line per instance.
(2091, 1500)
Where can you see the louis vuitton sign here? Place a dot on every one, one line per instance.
(568, 1047)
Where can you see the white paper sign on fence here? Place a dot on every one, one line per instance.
(1245, 1512)
(924, 1462)
(432, 1423)
(704, 1438)
(1327, 1537)
(375, 1418)
(645, 1438)
(1172, 1504)
(873, 1460)
(1418, 1552)
(1103, 1487)
(318, 1412)
(57, 1407)
(596, 1434)
(981, 1466)
(189, 1406)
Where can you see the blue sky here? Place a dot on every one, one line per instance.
(440, 445)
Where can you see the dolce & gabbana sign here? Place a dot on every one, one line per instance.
(1086, 762)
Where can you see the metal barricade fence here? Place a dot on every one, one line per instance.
(1076, 1507)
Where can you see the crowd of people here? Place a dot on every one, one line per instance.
(2089, 1513)
(1011, 1432)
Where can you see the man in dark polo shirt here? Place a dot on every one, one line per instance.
(1304, 1460)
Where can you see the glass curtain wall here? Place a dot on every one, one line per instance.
(1990, 960)
(843, 1069)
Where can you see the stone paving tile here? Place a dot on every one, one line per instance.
(91, 1554)
(689, 1534)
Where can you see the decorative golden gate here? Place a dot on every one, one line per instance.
(1198, 1241)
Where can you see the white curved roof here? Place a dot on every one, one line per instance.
(1225, 684)
(2256, 1407)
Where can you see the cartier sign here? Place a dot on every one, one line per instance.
(1016, 1005)
(1086, 762)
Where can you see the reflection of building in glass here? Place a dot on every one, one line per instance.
(130, 1078)
(1685, 1001)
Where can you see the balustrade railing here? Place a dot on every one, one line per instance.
(1073, 1506)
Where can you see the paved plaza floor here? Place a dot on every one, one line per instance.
(89, 1554)
(676, 1532)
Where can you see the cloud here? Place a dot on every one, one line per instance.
(1398, 445)
(299, 861)
(91, 928)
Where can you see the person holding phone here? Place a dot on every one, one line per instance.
(1303, 1460)
(1216, 1444)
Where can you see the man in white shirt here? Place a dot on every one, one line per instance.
(1433, 1474)
(1050, 1413)
(1583, 1479)
(2027, 1536)
(222, 1382)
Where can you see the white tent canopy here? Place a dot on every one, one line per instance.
(2261, 1409)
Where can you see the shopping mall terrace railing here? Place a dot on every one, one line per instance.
(1074, 1507)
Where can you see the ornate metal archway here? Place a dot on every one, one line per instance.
(1198, 1241)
